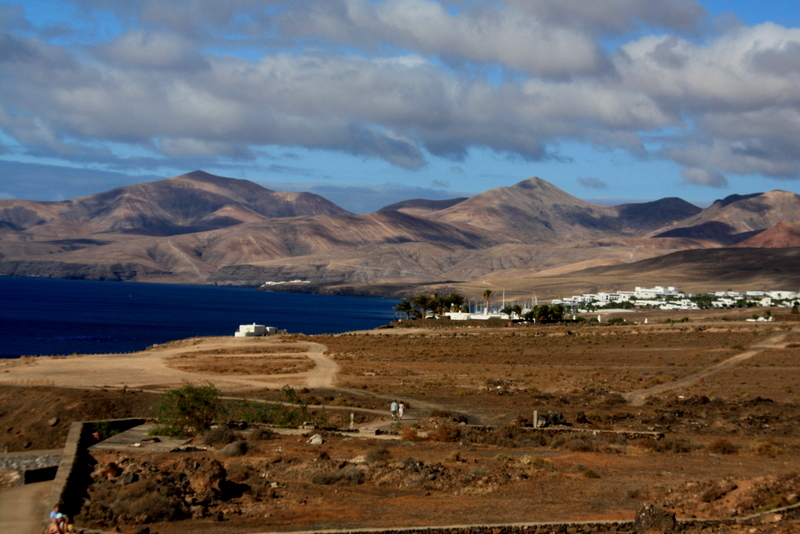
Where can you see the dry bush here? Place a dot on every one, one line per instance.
(722, 446)
(409, 433)
(589, 443)
(219, 435)
(537, 463)
(670, 444)
(378, 455)
(349, 476)
(764, 448)
(143, 498)
(262, 434)
(237, 448)
(445, 432)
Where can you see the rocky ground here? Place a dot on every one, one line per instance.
(666, 414)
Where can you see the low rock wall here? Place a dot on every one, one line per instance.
(25, 466)
(74, 470)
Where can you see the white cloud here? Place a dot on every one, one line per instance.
(401, 80)
(592, 183)
(709, 177)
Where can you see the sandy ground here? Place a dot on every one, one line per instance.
(23, 509)
(151, 369)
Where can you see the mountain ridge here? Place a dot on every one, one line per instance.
(202, 228)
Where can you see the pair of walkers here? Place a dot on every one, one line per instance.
(59, 522)
(397, 410)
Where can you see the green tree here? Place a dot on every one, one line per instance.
(188, 410)
(424, 303)
(455, 301)
(405, 306)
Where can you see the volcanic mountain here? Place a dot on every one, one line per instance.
(739, 217)
(202, 228)
(536, 212)
(188, 203)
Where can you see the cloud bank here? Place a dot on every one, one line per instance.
(142, 83)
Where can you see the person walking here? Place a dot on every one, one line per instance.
(393, 408)
(400, 409)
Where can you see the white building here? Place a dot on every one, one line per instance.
(256, 330)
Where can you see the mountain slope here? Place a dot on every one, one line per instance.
(782, 235)
(738, 217)
(536, 212)
(192, 202)
(202, 228)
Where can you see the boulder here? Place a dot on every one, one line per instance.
(651, 519)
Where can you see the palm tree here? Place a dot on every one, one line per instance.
(424, 303)
(454, 300)
(487, 297)
(405, 306)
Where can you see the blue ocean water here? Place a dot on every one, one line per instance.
(56, 317)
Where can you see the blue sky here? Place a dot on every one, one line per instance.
(368, 102)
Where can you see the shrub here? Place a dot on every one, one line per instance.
(349, 476)
(722, 446)
(237, 448)
(445, 432)
(188, 410)
(408, 433)
(145, 497)
(764, 448)
(262, 434)
(378, 454)
(218, 436)
(670, 444)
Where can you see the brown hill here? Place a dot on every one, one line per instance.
(188, 203)
(738, 217)
(536, 212)
(782, 235)
(420, 207)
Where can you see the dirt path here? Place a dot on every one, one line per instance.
(23, 509)
(638, 397)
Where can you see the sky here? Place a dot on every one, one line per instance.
(369, 102)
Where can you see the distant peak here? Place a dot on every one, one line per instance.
(730, 199)
(200, 175)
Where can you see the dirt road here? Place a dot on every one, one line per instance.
(638, 397)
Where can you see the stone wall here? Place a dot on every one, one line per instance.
(30, 466)
(74, 470)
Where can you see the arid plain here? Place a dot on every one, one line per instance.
(701, 418)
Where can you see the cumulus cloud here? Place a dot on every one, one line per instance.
(709, 177)
(409, 80)
(592, 183)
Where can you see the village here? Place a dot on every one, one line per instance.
(670, 298)
(658, 297)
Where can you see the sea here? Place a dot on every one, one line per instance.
(61, 317)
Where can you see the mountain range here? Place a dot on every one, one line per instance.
(201, 228)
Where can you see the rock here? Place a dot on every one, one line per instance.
(651, 519)
(130, 478)
(207, 479)
(316, 439)
(53, 421)
(718, 490)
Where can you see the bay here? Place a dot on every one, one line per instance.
(58, 317)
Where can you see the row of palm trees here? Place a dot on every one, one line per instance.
(419, 306)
